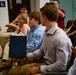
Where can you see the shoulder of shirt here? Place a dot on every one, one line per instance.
(40, 28)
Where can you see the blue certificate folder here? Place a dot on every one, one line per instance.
(17, 46)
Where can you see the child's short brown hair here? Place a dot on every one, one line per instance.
(35, 15)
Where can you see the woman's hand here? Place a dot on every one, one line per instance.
(70, 34)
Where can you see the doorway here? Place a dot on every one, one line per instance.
(14, 8)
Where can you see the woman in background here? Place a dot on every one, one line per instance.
(21, 29)
(23, 10)
(71, 32)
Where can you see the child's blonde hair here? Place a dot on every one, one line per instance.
(24, 17)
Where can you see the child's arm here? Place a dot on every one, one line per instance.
(25, 29)
(11, 25)
(67, 31)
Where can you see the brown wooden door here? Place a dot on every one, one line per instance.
(14, 8)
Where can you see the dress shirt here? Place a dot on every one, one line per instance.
(34, 38)
(56, 49)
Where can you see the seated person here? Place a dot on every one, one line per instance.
(21, 30)
(23, 27)
(34, 36)
(71, 32)
(11, 27)
(56, 47)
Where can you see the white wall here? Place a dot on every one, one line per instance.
(4, 16)
(37, 4)
(42, 2)
(34, 5)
